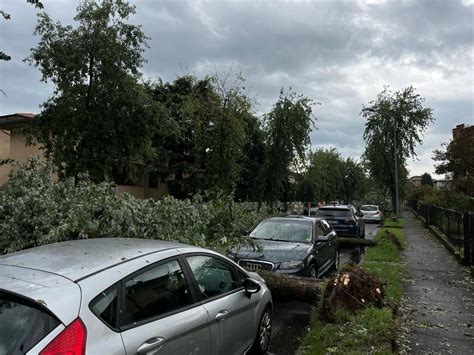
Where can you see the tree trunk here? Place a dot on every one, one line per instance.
(348, 242)
(294, 288)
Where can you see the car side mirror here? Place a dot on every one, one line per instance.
(322, 238)
(251, 286)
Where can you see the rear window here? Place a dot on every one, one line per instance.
(332, 212)
(22, 324)
(369, 208)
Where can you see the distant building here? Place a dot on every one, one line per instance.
(13, 146)
(415, 180)
(441, 184)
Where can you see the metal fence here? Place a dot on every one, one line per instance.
(457, 226)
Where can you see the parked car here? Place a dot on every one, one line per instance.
(372, 213)
(345, 220)
(298, 245)
(130, 296)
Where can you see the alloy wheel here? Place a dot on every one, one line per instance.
(265, 331)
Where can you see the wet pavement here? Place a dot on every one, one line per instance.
(438, 307)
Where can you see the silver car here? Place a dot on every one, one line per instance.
(130, 296)
(372, 213)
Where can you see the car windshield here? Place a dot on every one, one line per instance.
(369, 208)
(288, 231)
(333, 212)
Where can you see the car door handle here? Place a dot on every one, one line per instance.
(222, 315)
(151, 344)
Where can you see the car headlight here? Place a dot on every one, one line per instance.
(296, 264)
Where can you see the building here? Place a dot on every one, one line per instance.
(441, 184)
(415, 180)
(13, 146)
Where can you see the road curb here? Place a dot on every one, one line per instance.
(444, 240)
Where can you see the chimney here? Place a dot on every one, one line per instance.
(457, 130)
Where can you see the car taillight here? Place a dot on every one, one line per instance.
(71, 341)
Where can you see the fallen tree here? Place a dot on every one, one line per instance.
(353, 242)
(294, 288)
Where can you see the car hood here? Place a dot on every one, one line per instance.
(275, 251)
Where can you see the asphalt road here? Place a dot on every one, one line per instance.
(291, 319)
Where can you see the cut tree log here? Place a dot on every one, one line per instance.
(354, 242)
(292, 288)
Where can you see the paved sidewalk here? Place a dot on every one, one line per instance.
(439, 296)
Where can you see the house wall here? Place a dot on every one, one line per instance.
(14, 146)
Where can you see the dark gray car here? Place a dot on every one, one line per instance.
(302, 246)
(130, 296)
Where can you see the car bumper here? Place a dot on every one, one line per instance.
(372, 218)
(346, 232)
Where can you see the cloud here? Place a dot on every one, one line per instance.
(338, 53)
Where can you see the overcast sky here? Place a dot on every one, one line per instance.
(340, 54)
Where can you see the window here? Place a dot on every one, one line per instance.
(214, 276)
(22, 324)
(284, 230)
(104, 306)
(156, 291)
(333, 212)
(319, 230)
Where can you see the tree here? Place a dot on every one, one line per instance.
(394, 126)
(330, 177)
(216, 131)
(457, 159)
(100, 119)
(426, 179)
(287, 129)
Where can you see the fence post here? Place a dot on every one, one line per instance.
(468, 221)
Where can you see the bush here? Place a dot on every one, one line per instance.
(35, 210)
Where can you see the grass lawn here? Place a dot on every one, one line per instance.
(372, 329)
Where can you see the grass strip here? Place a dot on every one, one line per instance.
(372, 329)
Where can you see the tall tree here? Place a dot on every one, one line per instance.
(216, 129)
(287, 129)
(394, 125)
(330, 177)
(457, 159)
(426, 179)
(100, 119)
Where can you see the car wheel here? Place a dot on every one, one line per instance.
(262, 340)
(313, 272)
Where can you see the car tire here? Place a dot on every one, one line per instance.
(264, 333)
(313, 271)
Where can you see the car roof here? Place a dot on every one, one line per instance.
(304, 219)
(335, 207)
(78, 259)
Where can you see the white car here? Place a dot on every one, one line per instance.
(372, 213)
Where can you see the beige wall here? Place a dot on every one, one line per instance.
(4, 154)
(14, 146)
